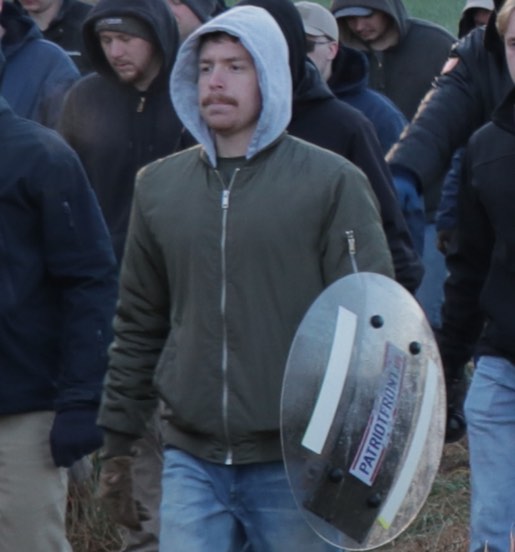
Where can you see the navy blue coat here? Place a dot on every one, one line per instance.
(349, 83)
(57, 274)
(37, 72)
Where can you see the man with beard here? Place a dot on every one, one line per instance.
(118, 120)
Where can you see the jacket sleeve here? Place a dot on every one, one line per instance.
(446, 216)
(366, 154)
(460, 101)
(354, 237)
(141, 326)
(468, 263)
(61, 73)
(81, 267)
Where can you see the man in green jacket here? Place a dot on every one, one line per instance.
(229, 244)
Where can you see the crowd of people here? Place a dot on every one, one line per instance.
(180, 180)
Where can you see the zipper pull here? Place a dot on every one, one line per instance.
(351, 240)
(141, 105)
(225, 199)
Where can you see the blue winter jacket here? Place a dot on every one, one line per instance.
(37, 73)
(57, 273)
(349, 82)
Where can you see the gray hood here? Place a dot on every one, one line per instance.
(263, 39)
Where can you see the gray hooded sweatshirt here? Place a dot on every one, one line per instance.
(218, 274)
(274, 77)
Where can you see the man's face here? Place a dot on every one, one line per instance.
(229, 95)
(38, 6)
(322, 50)
(371, 28)
(481, 16)
(509, 45)
(187, 21)
(133, 59)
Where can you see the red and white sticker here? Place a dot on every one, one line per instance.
(376, 438)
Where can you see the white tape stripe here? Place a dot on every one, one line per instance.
(334, 381)
(398, 493)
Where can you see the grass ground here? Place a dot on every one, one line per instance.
(441, 525)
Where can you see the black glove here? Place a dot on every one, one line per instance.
(443, 239)
(456, 426)
(74, 434)
(115, 490)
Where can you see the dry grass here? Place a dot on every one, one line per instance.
(89, 528)
(441, 526)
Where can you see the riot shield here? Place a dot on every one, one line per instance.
(362, 412)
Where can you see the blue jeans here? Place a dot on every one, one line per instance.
(430, 292)
(490, 414)
(207, 507)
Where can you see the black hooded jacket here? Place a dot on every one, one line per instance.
(320, 118)
(405, 70)
(461, 100)
(115, 128)
(480, 290)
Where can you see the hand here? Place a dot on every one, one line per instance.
(412, 207)
(443, 240)
(74, 434)
(115, 490)
(456, 425)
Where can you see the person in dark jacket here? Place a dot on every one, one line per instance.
(478, 313)
(473, 82)
(405, 54)
(191, 14)
(37, 73)
(475, 14)
(60, 21)
(320, 118)
(58, 282)
(118, 120)
(346, 72)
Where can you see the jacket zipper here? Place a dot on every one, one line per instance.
(351, 241)
(226, 192)
(141, 104)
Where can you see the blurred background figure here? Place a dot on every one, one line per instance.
(37, 73)
(191, 14)
(346, 72)
(60, 21)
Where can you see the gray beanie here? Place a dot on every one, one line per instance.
(126, 24)
(203, 9)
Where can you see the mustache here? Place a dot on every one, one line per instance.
(218, 99)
